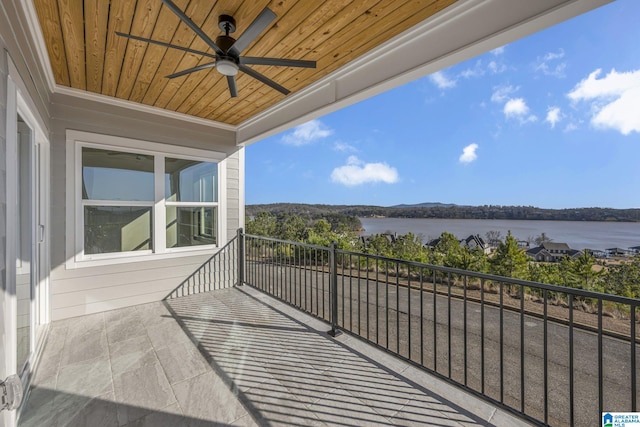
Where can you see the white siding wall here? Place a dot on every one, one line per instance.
(15, 47)
(78, 291)
(3, 168)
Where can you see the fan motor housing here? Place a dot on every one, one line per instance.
(225, 42)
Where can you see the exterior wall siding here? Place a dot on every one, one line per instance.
(233, 193)
(3, 167)
(83, 290)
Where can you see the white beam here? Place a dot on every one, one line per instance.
(462, 31)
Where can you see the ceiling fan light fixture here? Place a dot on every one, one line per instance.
(227, 67)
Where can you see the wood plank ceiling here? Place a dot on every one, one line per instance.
(86, 54)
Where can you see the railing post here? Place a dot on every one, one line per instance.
(240, 257)
(333, 289)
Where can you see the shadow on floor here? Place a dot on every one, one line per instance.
(286, 371)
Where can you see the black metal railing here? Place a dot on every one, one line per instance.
(222, 270)
(550, 354)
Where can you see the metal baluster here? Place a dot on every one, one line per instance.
(449, 322)
(482, 335)
(398, 307)
(571, 394)
(522, 349)
(501, 343)
(634, 373)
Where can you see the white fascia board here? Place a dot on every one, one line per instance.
(460, 32)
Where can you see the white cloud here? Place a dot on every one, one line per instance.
(503, 93)
(553, 116)
(343, 146)
(615, 99)
(307, 133)
(440, 79)
(496, 68)
(476, 71)
(498, 51)
(571, 127)
(549, 64)
(468, 154)
(357, 172)
(517, 108)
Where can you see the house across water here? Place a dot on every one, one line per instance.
(552, 252)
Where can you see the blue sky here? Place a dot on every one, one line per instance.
(552, 120)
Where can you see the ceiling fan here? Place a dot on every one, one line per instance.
(227, 58)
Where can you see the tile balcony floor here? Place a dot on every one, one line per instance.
(231, 357)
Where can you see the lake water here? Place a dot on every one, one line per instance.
(577, 234)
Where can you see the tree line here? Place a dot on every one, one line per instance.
(453, 212)
(508, 259)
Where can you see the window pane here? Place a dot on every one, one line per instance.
(116, 175)
(191, 226)
(190, 181)
(117, 229)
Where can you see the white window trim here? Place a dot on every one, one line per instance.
(75, 140)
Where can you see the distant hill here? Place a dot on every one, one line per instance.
(425, 205)
(452, 211)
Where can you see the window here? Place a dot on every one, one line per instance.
(117, 201)
(133, 202)
(190, 199)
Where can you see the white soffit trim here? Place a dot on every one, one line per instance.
(464, 30)
(90, 96)
(45, 64)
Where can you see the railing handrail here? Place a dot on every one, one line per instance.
(291, 242)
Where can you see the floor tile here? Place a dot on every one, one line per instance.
(208, 398)
(88, 378)
(182, 361)
(171, 416)
(142, 390)
(82, 411)
(90, 345)
(167, 334)
(131, 354)
(124, 324)
(230, 357)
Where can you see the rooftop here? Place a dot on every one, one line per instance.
(232, 357)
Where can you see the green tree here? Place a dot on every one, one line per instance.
(410, 248)
(509, 260)
(472, 260)
(263, 224)
(293, 228)
(379, 244)
(581, 273)
(623, 279)
(448, 251)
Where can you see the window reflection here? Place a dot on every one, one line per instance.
(191, 226)
(116, 229)
(116, 175)
(190, 181)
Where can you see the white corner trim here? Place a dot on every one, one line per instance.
(33, 24)
(104, 99)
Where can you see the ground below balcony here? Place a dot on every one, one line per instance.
(232, 357)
